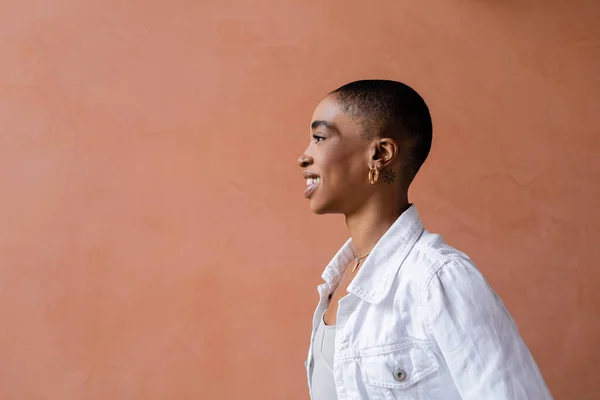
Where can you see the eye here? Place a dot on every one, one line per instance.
(317, 138)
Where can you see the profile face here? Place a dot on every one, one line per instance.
(335, 163)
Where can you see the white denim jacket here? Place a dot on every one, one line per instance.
(421, 323)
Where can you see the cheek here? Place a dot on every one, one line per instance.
(344, 170)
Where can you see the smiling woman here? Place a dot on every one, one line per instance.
(412, 318)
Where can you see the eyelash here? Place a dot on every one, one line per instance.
(318, 138)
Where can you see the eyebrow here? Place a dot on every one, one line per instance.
(318, 123)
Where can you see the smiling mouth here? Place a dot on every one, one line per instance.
(311, 186)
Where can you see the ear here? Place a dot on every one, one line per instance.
(383, 153)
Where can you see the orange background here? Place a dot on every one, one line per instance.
(155, 243)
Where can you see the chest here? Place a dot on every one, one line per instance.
(340, 292)
(382, 350)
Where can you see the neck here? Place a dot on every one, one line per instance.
(367, 225)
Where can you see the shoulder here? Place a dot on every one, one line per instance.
(433, 263)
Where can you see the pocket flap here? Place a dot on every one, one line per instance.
(398, 368)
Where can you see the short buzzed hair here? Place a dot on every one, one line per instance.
(394, 110)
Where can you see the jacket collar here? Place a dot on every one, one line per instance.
(374, 279)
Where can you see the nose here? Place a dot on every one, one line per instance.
(305, 161)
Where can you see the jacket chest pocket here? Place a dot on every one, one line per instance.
(397, 372)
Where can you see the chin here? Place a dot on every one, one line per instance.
(322, 209)
(317, 208)
(319, 211)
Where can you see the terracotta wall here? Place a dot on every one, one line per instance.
(154, 242)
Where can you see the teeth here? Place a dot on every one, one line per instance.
(310, 181)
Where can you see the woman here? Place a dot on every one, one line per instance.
(401, 315)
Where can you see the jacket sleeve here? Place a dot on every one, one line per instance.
(478, 338)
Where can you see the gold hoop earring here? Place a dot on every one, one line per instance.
(373, 175)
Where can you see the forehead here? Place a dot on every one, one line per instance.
(330, 112)
(327, 110)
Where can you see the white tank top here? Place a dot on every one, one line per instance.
(323, 385)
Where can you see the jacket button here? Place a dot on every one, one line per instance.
(399, 375)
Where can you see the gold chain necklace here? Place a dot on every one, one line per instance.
(358, 260)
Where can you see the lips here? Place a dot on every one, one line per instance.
(312, 182)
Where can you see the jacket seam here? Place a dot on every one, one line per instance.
(427, 283)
